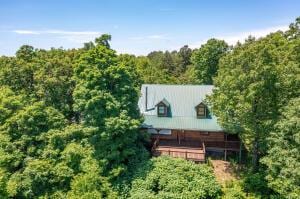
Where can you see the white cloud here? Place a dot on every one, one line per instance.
(232, 39)
(73, 36)
(26, 32)
(63, 32)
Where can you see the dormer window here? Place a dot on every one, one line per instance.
(201, 110)
(163, 108)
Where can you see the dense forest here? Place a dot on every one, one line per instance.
(69, 120)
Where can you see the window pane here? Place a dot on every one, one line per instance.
(161, 110)
(201, 111)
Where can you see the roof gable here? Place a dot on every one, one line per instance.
(165, 102)
(200, 104)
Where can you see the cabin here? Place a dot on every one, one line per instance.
(181, 124)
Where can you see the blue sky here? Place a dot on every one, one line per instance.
(138, 26)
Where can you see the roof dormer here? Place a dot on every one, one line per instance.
(163, 108)
(201, 110)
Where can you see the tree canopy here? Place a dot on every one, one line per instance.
(166, 177)
(283, 158)
(206, 60)
(254, 81)
(69, 119)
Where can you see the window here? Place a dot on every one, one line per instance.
(165, 132)
(161, 110)
(201, 110)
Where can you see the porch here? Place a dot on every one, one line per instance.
(195, 146)
(189, 150)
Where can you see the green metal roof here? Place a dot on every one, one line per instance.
(182, 101)
(186, 123)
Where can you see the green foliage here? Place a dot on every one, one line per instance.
(65, 166)
(283, 158)
(255, 85)
(206, 60)
(233, 190)
(165, 67)
(22, 145)
(256, 183)
(254, 81)
(106, 96)
(42, 75)
(69, 119)
(26, 53)
(103, 40)
(250, 185)
(18, 74)
(42, 155)
(9, 103)
(166, 177)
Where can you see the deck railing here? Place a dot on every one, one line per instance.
(189, 153)
(195, 156)
(192, 150)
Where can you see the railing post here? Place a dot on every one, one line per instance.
(240, 153)
(185, 154)
(225, 149)
(204, 153)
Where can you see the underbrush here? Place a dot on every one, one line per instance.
(250, 185)
(166, 177)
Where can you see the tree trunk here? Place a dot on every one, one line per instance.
(255, 157)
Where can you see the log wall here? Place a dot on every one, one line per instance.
(192, 136)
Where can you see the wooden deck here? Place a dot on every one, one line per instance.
(195, 145)
(194, 151)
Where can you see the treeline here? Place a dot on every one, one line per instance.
(185, 66)
(69, 128)
(69, 120)
(257, 96)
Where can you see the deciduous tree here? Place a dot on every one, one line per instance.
(206, 60)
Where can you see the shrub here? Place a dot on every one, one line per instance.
(233, 190)
(167, 177)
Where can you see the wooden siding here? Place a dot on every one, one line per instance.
(203, 136)
(192, 136)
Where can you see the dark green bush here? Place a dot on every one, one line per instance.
(255, 182)
(166, 177)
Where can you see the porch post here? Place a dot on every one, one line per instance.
(225, 150)
(240, 153)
